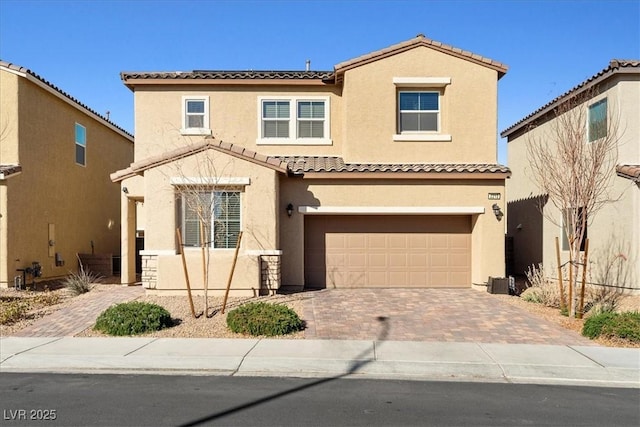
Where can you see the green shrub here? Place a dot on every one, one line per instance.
(81, 282)
(131, 318)
(613, 325)
(260, 318)
(532, 295)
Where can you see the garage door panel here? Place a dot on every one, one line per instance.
(387, 251)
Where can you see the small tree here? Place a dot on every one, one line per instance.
(203, 201)
(573, 161)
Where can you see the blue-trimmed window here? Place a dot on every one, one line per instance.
(81, 144)
(598, 120)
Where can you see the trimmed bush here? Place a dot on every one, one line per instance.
(132, 318)
(260, 318)
(613, 325)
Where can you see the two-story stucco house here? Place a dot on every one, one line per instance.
(614, 231)
(56, 198)
(379, 173)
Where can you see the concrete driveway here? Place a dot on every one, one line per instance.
(445, 315)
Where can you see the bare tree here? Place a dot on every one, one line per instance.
(204, 202)
(572, 161)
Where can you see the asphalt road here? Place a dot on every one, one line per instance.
(157, 400)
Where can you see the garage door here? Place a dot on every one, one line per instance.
(387, 251)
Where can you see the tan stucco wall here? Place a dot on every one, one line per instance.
(363, 113)
(487, 233)
(363, 121)
(616, 226)
(259, 202)
(469, 110)
(81, 202)
(233, 117)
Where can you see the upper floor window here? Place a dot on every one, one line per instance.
(81, 144)
(598, 120)
(294, 120)
(419, 112)
(195, 115)
(212, 215)
(275, 119)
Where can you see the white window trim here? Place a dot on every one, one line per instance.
(421, 82)
(395, 210)
(75, 140)
(206, 130)
(204, 181)
(293, 122)
(421, 135)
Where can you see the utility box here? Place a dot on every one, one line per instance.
(498, 285)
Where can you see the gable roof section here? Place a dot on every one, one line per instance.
(419, 40)
(234, 150)
(7, 171)
(320, 166)
(35, 78)
(631, 172)
(616, 66)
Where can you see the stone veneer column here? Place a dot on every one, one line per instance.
(149, 270)
(270, 272)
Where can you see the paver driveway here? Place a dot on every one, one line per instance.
(449, 315)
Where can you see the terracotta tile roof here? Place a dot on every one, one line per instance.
(300, 165)
(7, 171)
(129, 78)
(616, 66)
(631, 172)
(250, 75)
(421, 40)
(320, 164)
(191, 149)
(27, 71)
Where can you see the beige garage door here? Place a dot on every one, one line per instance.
(387, 251)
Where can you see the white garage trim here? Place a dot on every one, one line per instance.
(390, 210)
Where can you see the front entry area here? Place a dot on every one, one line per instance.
(385, 251)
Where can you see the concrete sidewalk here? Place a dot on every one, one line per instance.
(516, 363)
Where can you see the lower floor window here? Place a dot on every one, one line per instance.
(210, 215)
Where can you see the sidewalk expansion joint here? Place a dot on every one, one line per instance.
(235, 371)
(141, 347)
(504, 374)
(584, 355)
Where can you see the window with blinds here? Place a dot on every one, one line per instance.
(294, 120)
(418, 111)
(310, 119)
(275, 119)
(214, 215)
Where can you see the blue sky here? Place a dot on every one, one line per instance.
(82, 46)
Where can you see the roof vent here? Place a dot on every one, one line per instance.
(307, 65)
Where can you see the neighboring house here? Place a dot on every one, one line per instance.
(56, 198)
(379, 173)
(614, 231)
